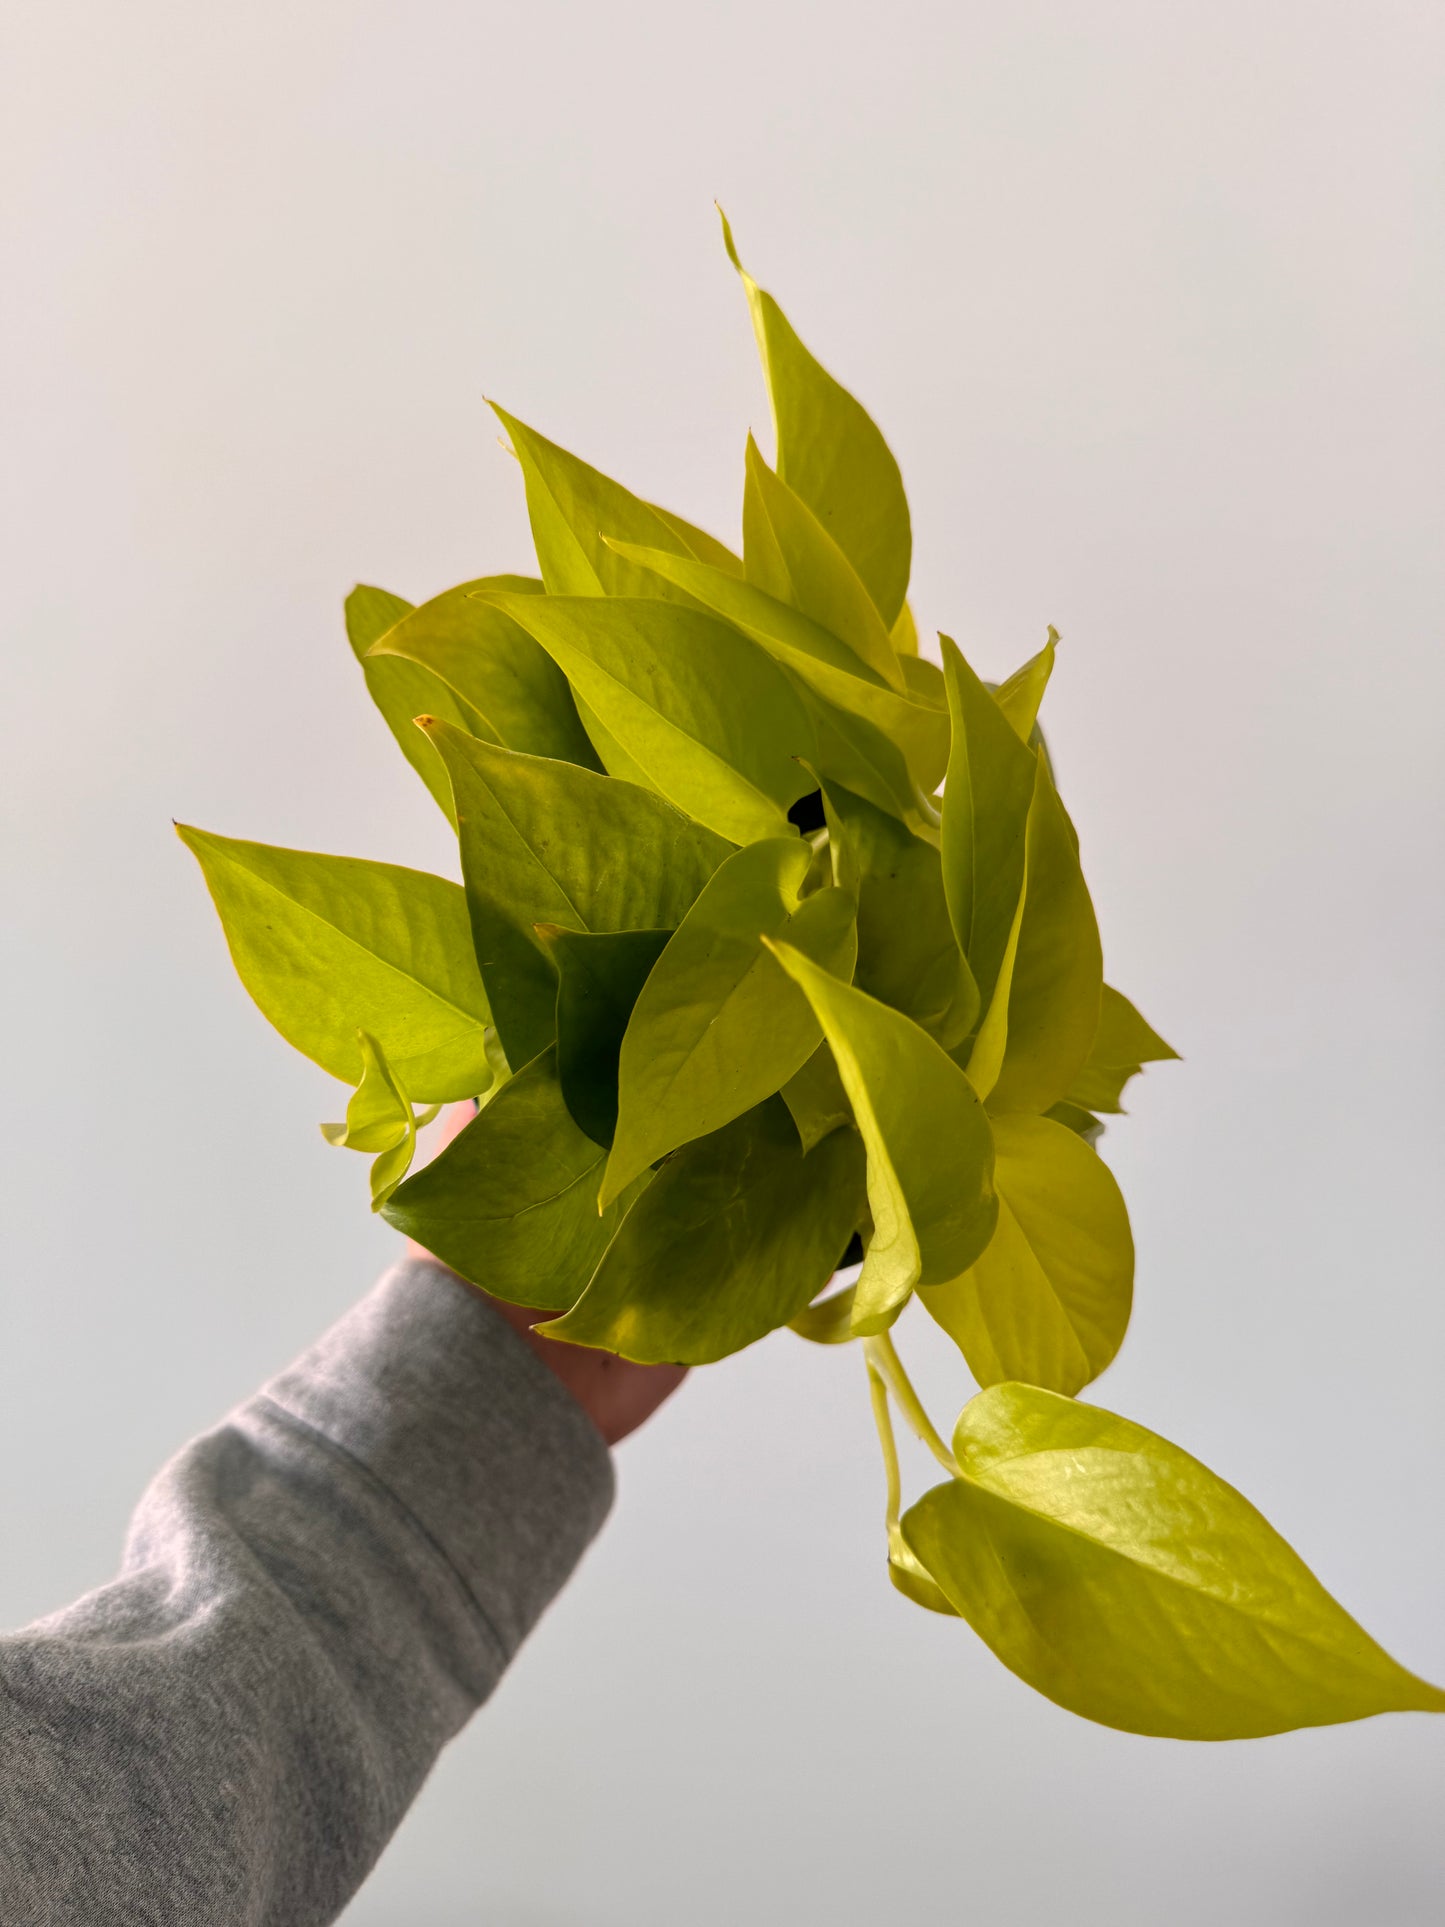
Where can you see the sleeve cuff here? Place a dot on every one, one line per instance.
(444, 1404)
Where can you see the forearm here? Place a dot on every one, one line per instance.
(314, 1598)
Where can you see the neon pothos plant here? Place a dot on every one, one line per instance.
(774, 938)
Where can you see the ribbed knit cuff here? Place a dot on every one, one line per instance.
(432, 1391)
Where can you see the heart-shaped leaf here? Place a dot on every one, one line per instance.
(717, 1026)
(1048, 1301)
(327, 944)
(511, 1203)
(732, 1238)
(831, 453)
(548, 842)
(707, 716)
(930, 1151)
(1124, 1580)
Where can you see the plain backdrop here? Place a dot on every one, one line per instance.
(1148, 300)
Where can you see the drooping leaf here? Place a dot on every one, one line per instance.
(917, 726)
(732, 1238)
(1048, 1301)
(816, 1099)
(1058, 968)
(704, 713)
(986, 800)
(548, 842)
(329, 944)
(907, 953)
(1123, 1045)
(930, 1151)
(788, 554)
(1124, 1580)
(1020, 696)
(572, 506)
(380, 1121)
(718, 1027)
(506, 687)
(831, 453)
(511, 1203)
(599, 976)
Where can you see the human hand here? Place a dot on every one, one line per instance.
(614, 1393)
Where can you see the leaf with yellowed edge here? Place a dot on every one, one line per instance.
(329, 944)
(731, 1239)
(1019, 698)
(542, 842)
(511, 1202)
(831, 453)
(930, 1150)
(788, 552)
(1048, 1301)
(703, 712)
(1123, 1045)
(1125, 1581)
(718, 1027)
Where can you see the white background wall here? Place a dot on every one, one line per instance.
(1149, 301)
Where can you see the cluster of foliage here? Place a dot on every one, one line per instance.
(774, 941)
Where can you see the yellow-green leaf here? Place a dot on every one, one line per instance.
(572, 506)
(917, 725)
(327, 944)
(706, 715)
(511, 1203)
(1124, 1580)
(543, 842)
(986, 800)
(1048, 1301)
(930, 1151)
(718, 1027)
(1020, 696)
(1058, 968)
(907, 953)
(732, 1239)
(831, 453)
(600, 974)
(789, 554)
(1123, 1045)
(816, 1099)
(505, 686)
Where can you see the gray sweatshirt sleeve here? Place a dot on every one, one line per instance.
(314, 1597)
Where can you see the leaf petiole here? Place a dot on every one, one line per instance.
(883, 1358)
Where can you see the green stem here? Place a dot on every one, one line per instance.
(884, 1359)
(883, 1419)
